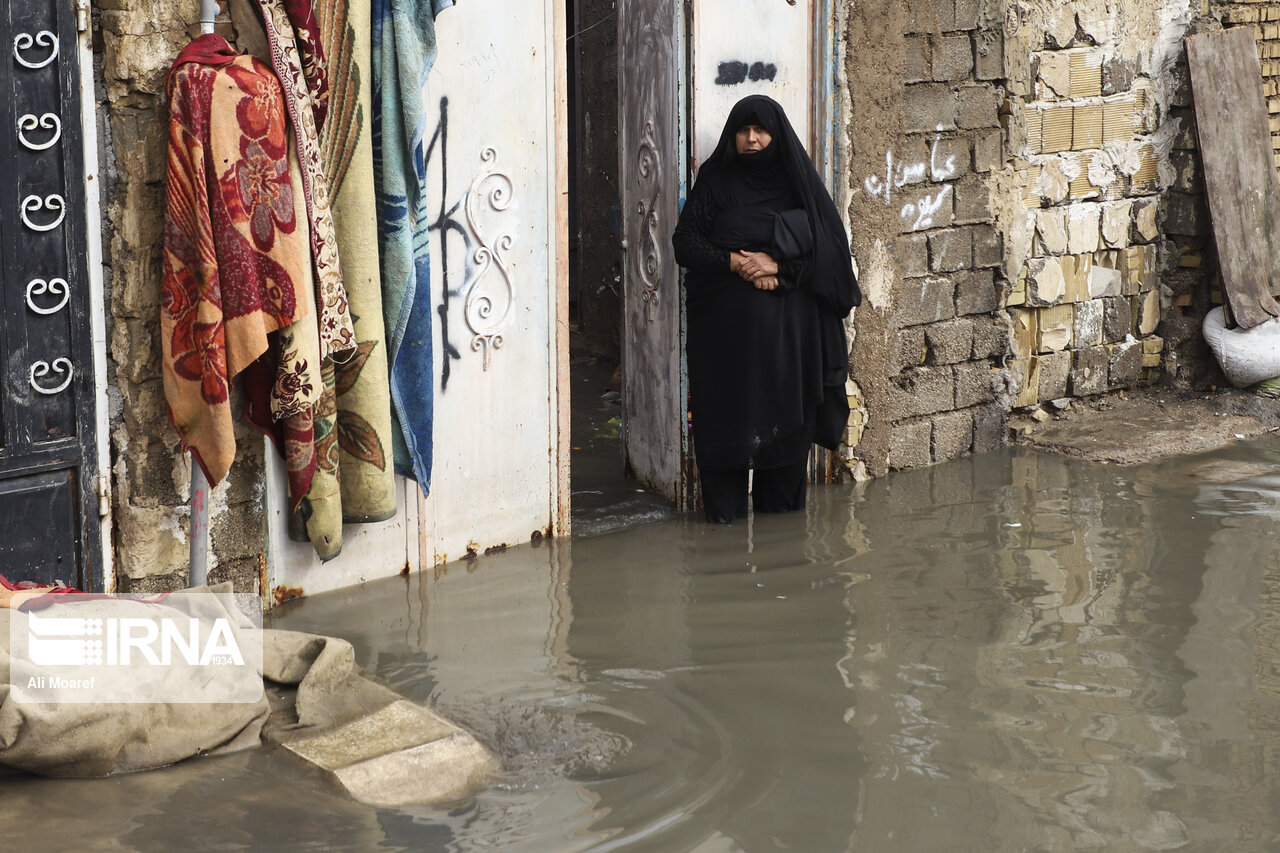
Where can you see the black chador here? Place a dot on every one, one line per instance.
(767, 367)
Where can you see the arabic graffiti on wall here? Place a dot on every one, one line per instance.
(919, 212)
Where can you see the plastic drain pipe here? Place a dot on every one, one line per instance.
(199, 572)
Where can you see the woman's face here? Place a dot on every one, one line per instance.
(752, 137)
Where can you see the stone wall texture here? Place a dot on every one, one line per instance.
(1091, 144)
(150, 472)
(1028, 211)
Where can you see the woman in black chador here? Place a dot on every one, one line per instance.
(769, 281)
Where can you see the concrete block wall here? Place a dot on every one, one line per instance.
(930, 340)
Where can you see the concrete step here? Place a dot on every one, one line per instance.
(402, 754)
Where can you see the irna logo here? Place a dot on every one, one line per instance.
(178, 648)
(111, 641)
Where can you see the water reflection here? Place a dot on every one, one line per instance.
(1011, 652)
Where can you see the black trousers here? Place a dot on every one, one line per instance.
(724, 491)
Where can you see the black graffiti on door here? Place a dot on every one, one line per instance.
(445, 223)
(734, 71)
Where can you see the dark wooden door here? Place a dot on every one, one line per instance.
(49, 507)
(653, 387)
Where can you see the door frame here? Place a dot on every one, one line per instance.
(825, 137)
(103, 578)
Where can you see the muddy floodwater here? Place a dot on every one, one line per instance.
(1010, 652)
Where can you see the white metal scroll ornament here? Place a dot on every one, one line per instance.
(33, 203)
(48, 121)
(23, 42)
(480, 309)
(650, 261)
(42, 368)
(40, 287)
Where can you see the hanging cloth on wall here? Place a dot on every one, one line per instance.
(236, 260)
(404, 49)
(362, 424)
(286, 409)
(337, 336)
(312, 55)
(354, 479)
(299, 56)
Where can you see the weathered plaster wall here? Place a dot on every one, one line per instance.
(151, 475)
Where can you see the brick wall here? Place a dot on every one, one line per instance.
(1264, 17)
(1086, 302)
(1032, 170)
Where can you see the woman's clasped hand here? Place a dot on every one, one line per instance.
(756, 267)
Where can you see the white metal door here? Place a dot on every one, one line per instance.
(497, 203)
(746, 47)
(497, 198)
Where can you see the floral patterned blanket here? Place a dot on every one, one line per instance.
(237, 259)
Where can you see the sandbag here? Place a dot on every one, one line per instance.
(1246, 356)
(315, 684)
(80, 739)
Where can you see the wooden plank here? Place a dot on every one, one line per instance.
(1240, 178)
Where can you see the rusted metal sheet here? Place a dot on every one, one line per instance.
(744, 47)
(1239, 169)
(650, 169)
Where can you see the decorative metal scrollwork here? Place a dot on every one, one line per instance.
(650, 261)
(48, 121)
(24, 41)
(40, 287)
(42, 368)
(33, 203)
(481, 309)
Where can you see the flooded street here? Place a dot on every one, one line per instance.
(1009, 652)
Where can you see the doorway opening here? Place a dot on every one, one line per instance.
(604, 498)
